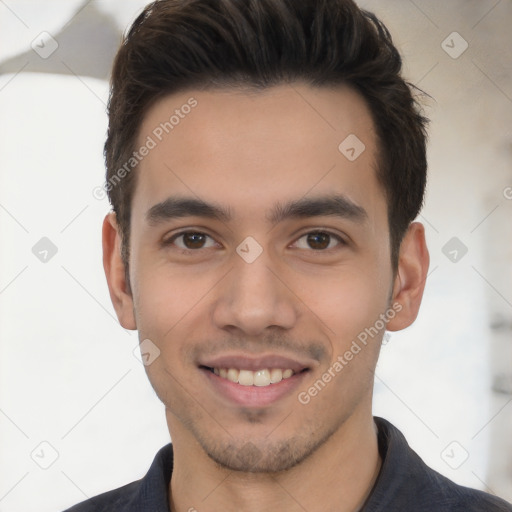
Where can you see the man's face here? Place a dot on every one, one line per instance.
(286, 278)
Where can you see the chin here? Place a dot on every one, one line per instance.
(264, 456)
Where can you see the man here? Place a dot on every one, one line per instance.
(265, 163)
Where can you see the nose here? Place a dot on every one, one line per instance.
(254, 297)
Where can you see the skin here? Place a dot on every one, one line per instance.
(248, 151)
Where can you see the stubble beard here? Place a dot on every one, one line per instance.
(265, 455)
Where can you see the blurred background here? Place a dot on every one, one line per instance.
(77, 414)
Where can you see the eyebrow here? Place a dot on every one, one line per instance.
(333, 205)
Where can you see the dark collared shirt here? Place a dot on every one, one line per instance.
(405, 483)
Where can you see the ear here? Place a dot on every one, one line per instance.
(120, 292)
(410, 278)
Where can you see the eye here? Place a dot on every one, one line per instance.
(319, 241)
(191, 240)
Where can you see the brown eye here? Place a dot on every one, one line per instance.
(318, 241)
(191, 240)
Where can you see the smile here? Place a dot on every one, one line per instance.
(260, 378)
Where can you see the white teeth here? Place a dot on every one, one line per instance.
(260, 378)
(233, 375)
(246, 378)
(287, 373)
(276, 375)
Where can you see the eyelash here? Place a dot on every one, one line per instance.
(341, 242)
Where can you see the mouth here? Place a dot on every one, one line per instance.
(260, 378)
(253, 382)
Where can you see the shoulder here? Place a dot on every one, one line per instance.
(457, 498)
(407, 483)
(148, 493)
(117, 499)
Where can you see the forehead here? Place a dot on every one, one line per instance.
(245, 148)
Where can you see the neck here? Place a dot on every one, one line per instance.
(337, 476)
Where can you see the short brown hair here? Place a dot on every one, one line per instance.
(178, 44)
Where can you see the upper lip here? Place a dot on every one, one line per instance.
(243, 362)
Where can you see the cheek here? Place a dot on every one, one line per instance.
(166, 309)
(164, 300)
(347, 302)
(348, 307)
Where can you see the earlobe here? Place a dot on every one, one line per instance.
(410, 277)
(119, 290)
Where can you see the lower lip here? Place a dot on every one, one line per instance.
(254, 396)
